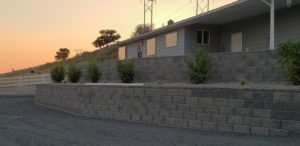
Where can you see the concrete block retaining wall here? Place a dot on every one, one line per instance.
(227, 67)
(23, 91)
(261, 111)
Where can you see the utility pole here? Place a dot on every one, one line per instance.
(148, 7)
(199, 6)
(208, 1)
(78, 52)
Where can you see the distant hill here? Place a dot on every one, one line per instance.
(107, 53)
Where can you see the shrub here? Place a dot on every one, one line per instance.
(199, 67)
(74, 74)
(243, 82)
(94, 72)
(57, 74)
(289, 60)
(126, 70)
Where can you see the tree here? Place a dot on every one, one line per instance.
(106, 37)
(139, 30)
(62, 54)
(99, 42)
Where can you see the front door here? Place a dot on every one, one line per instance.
(237, 42)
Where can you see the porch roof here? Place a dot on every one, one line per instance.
(235, 11)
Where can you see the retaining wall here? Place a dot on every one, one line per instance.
(17, 91)
(253, 110)
(227, 67)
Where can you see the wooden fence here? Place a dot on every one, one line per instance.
(25, 80)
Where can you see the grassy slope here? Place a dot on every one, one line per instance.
(107, 53)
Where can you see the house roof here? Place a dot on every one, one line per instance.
(235, 11)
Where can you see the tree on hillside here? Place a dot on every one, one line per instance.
(106, 37)
(99, 43)
(62, 54)
(139, 30)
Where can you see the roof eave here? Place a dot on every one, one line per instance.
(177, 25)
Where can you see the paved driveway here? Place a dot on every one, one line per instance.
(24, 124)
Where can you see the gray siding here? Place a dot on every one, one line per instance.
(131, 51)
(256, 30)
(160, 42)
(255, 35)
(191, 38)
(178, 50)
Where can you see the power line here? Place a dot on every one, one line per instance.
(169, 2)
(174, 13)
(201, 7)
(132, 21)
(183, 12)
(129, 16)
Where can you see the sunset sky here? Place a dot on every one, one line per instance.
(31, 31)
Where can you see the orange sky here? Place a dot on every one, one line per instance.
(31, 31)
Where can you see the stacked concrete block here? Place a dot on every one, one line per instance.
(274, 112)
(227, 67)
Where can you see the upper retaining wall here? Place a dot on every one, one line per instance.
(227, 67)
(240, 109)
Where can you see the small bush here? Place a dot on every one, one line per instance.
(126, 70)
(243, 82)
(94, 72)
(289, 60)
(199, 67)
(57, 74)
(74, 74)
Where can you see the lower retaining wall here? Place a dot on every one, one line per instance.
(262, 111)
(24, 91)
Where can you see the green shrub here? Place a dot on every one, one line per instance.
(126, 70)
(199, 67)
(57, 74)
(94, 72)
(74, 74)
(289, 60)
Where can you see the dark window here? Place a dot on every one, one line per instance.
(203, 37)
(206, 38)
(199, 37)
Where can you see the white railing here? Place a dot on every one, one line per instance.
(25, 80)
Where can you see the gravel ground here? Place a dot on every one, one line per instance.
(24, 124)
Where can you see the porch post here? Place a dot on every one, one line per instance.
(272, 25)
(271, 4)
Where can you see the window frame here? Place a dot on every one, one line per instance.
(209, 36)
(171, 46)
(154, 46)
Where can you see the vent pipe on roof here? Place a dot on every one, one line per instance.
(170, 22)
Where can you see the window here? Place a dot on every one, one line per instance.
(171, 39)
(122, 52)
(151, 47)
(237, 42)
(203, 37)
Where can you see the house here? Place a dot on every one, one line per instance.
(242, 26)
